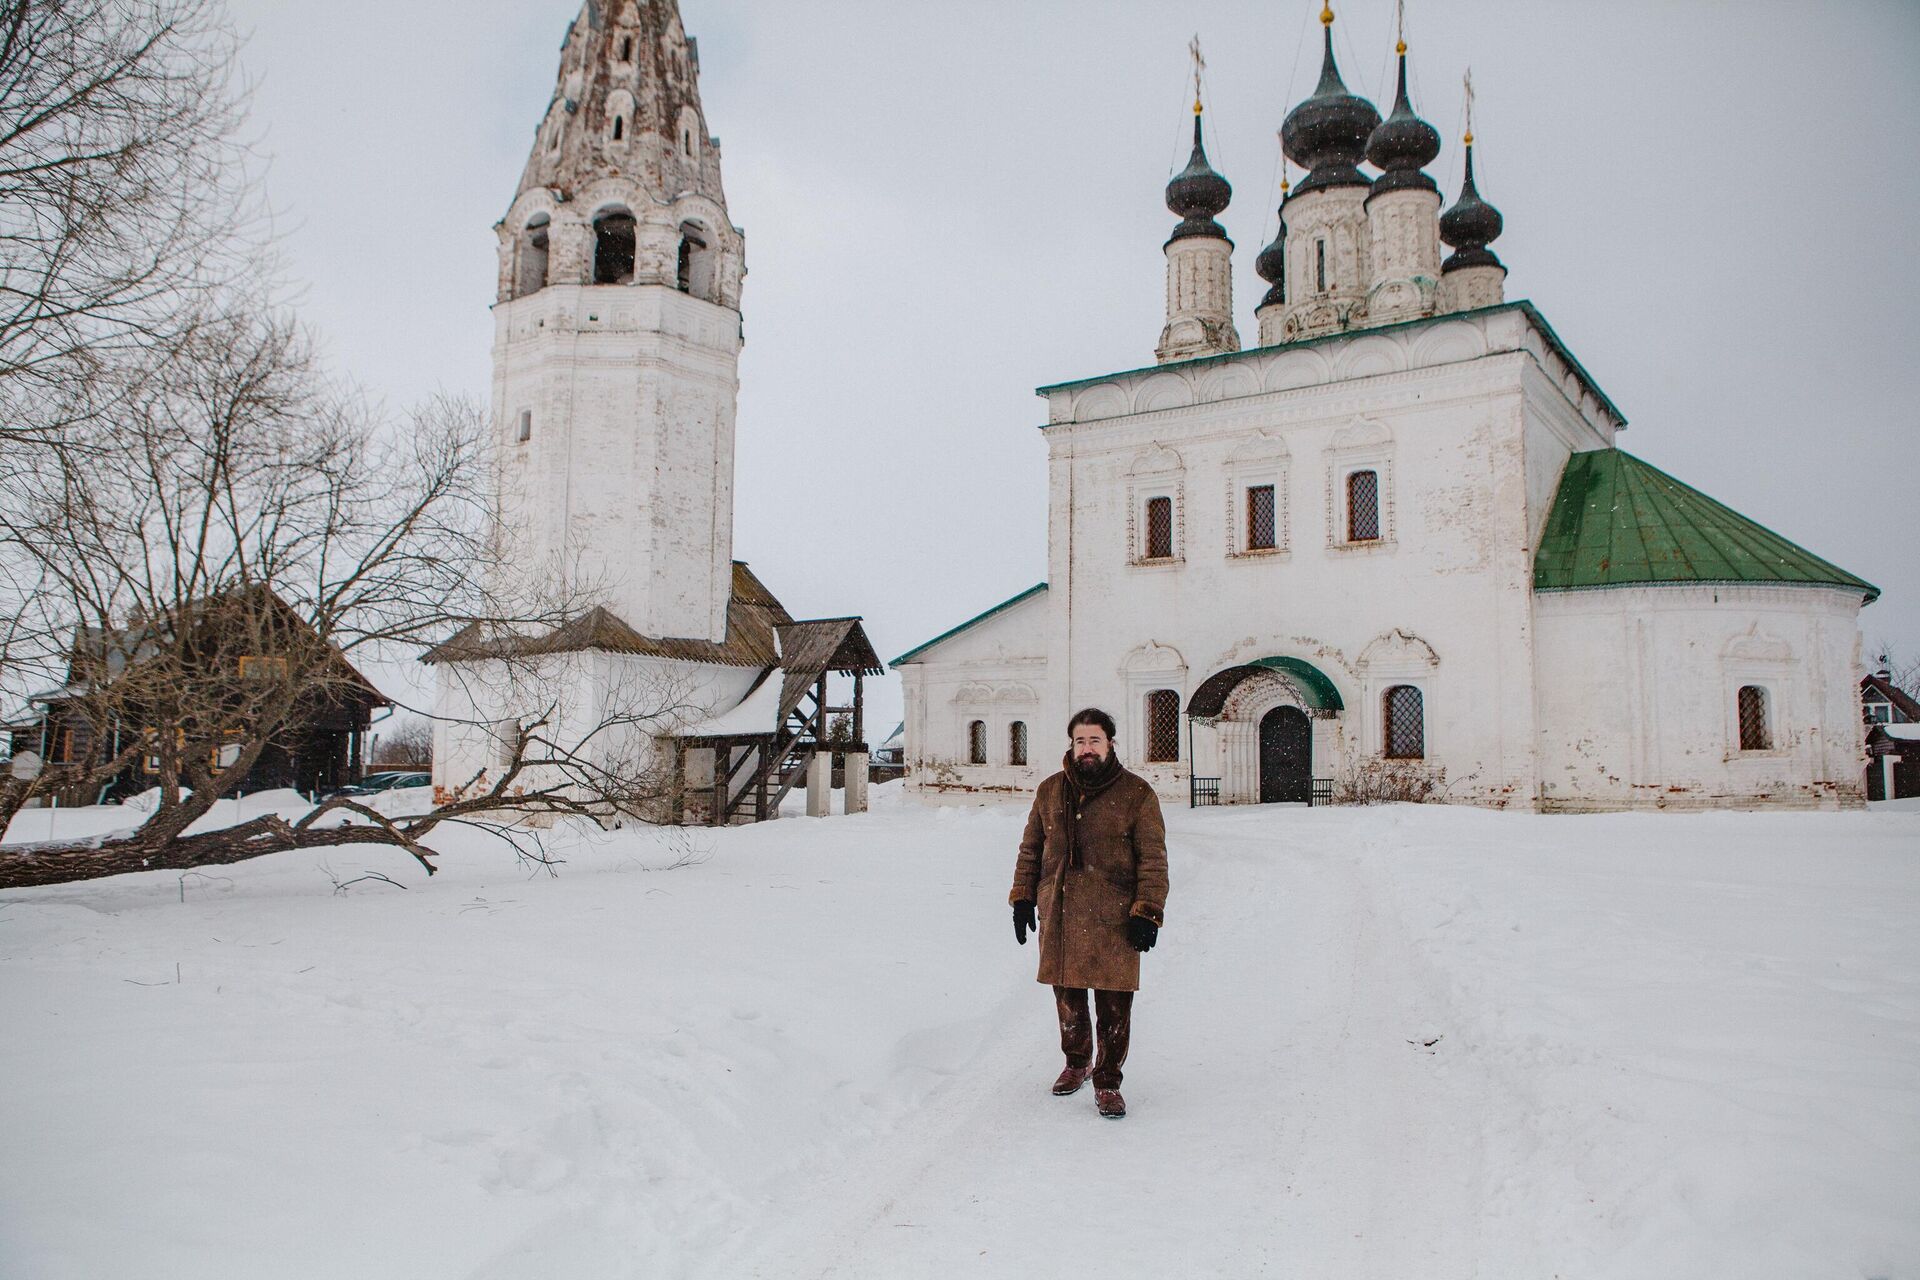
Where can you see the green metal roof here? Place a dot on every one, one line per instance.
(1617, 521)
(974, 621)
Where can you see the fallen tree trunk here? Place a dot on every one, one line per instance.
(68, 861)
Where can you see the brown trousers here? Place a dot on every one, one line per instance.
(1115, 1009)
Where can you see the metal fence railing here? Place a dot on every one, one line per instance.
(1205, 791)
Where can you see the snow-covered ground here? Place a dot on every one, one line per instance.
(1394, 1042)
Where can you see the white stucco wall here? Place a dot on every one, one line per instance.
(625, 483)
(606, 708)
(1638, 696)
(996, 672)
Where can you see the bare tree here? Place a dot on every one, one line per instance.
(122, 190)
(408, 745)
(208, 561)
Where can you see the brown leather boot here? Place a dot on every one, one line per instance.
(1111, 1104)
(1070, 1081)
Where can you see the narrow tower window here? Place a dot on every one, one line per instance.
(626, 48)
(1756, 734)
(1405, 713)
(1163, 726)
(1363, 506)
(1261, 526)
(977, 742)
(1159, 528)
(525, 431)
(613, 236)
(619, 128)
(1320, 265)
(1017, 742)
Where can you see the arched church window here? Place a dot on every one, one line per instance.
(1756, 730)
(1320, 265)
(613, 247)
(619, 128)
(1159, 528)
(1404, 711)
(532, 274)
(977, 742)
(524, 432)
(1163, 726)
(1363, 506)
(1017, 742)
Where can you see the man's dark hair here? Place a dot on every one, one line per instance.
(1095, 716)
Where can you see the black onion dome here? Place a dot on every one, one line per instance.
(1271, 265)
(1327, 134)
(1403, 145)
(1198, 194)
(1470, 226)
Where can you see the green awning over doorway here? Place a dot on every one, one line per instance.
(1316, 689)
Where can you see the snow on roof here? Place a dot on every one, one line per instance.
(758, 712)
(1904, 732)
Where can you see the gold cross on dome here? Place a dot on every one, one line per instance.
(1199, 66)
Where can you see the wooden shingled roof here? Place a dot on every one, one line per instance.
(753, 615)
(808, 650)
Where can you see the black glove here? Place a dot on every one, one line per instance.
(1024, 921)
(1142, 933)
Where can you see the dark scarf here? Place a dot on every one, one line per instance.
(1078, 791)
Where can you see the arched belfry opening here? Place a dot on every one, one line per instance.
(613, 247)
(697, 262)
(530, 274)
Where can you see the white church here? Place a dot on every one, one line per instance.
(617, 335)
(1397, 539)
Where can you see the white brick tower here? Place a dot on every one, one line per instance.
(617, 332)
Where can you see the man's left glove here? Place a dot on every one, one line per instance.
(1023, 921)
(1142, 933)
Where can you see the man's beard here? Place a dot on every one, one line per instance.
(1089, 766)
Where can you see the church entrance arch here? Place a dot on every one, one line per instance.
(1286, 756)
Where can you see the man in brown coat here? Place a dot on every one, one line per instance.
(1092, 881)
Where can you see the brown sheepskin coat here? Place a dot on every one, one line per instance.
(1083, 910)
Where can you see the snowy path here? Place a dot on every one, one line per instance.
(1272, 1091)
(1673, 1046)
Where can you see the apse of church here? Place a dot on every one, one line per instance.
(1395, 539)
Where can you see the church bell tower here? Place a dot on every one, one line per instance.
(617, 333)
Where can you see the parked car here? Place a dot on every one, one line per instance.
(392, 780)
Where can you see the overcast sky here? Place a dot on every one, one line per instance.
(1716, 205)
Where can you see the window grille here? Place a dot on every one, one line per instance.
(1261, 528)
(1017, 742)
(1163, 726)
(1755, 734)
(1363, 506)
(506, 743)
(1405, 713)
(1159, 528)
(977, 742)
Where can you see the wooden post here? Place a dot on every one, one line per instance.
(760, 784)
(821, 727)
(859, 709)
(677, 790)
(722, 762)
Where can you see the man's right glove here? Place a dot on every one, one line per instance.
(1024, 921)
